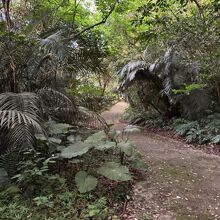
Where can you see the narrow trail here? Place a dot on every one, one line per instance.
(181, 184)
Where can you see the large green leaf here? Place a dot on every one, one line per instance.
(112, 134)
(105, 145)
(136, 156)
(85, 182)
(98, 141)
(60, 147)
(115, 171)
(74, 138)
(55, 140)
(139, 165)
(74, 150)
(58, 128)
(40, 137)
(95, 138)
(127, 148)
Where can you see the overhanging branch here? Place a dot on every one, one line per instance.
(103, 21)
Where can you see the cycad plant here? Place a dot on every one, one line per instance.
(167, 76)
(21, 117)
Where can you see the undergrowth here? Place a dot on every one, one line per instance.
(143, 118)
(69, 175)
(203, 131)
(206, 130)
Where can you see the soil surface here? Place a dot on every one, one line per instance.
(181, 184)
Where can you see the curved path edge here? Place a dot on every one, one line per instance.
(182, 183)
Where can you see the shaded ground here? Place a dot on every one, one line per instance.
(182, 183)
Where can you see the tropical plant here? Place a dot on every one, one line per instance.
(203, 131)
(34, 176)
(165, 74)
(99, 142)
(45, 135)
(22, 116)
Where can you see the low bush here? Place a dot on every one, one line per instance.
(92, 97)
(143, 118)
(71, 175)
(206, 130)
(203, 131)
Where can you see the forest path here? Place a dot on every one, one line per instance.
(181, 184)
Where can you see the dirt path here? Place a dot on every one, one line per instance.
(181, 184)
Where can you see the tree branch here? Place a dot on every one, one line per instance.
(96, 24)
(200, 9)
(6, 5)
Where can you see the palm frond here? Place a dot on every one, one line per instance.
(11, 118)
(28, 103)
(129, 71)
(54, 44)
(91, 119)
(20, 117)
(168, 72)
(57, 104)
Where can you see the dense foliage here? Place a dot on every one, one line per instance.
(59, 62)
(177, 75)
(53, 64)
